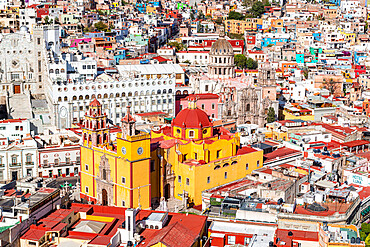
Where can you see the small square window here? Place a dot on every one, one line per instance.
(123, 180)
(179, 179)
(86, 189)
(258, 163)
(191, 133)
(208, 180)
(225, 175)
(86, 167)
(187, 181)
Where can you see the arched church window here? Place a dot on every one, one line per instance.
(248, 107)
(104, 175)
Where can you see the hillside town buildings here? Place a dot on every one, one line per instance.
(192, 123)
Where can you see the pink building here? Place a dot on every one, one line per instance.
(208, 102)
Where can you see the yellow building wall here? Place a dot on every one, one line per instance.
(198, 175)
(240, 26)
(136, 172)
(288, 116)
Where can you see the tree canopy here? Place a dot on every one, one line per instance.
(257, 9)
(235, 16)
(243, 62)
(101, 26)
(178, 46)
(271, 115)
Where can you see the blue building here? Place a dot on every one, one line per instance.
(141, 7)
(267, 41)
(316, 36)
(335, 2)
(120, 54)
(359, 57)
(299, 57)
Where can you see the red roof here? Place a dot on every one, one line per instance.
(203, 96)
(173, 235)
(282, 235)
(280, 152)
(33, 234)
(355, 143)
(95, 102)
(155, 113)
(245, 150)
(192, 118)
(161, 59)
(13, 120)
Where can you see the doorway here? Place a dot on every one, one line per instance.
(14, 175)
(167, 191)
(17, 89)
(104, 197)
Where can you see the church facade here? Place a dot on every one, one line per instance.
(241, 98)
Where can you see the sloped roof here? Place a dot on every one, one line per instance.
(173, 235)
(89, 226)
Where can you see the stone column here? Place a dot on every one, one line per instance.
(70, 115)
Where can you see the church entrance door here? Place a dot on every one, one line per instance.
(17, 89)
(167, 191)
(104, 197)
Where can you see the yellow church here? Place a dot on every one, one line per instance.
(178, 161)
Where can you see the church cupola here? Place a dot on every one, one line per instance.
(95, 129)
(192, 123)
(128, 124)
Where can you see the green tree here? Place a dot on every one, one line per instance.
(235, 16)
(240, 61)
(192, 16)
(258, 8)
(178, 46)
(218, 20)
(365, 228)
(251, 64)
(271, 115)
(46, 20)
(56, 20)
(362, 235)
(366, 26)
(201, 15)
(101, 26)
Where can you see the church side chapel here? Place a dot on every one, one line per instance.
(242, 98)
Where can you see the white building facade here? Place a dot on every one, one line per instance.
(59, 161)
(147, 88)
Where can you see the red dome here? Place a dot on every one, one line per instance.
(192, 118)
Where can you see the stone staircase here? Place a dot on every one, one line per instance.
(19, 106)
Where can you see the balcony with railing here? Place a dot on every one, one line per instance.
(2, 165)
(30, 163)
(15, 164)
